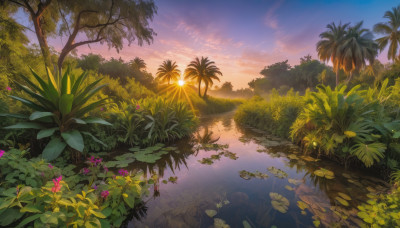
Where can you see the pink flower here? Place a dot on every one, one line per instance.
(123, 172)
(50, 166)
(57, 185)
(85, 171)
(101, 109)
(2, 153)
(104, 194)
(94, 187)
(8, 88)
(137, 107)
(105, 168)
(95, 161)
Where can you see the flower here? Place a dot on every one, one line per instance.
(95, 161)
(94, 187)
(57, 185)
(101, 109)
(2, 153)
(137, 107)
(105, 168)
(123, 172)
(85, 171)
(104, 194)
(50, 166)
(8, 88)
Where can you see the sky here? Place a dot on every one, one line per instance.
(240, 36)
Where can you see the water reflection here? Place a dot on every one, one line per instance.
(200, 195)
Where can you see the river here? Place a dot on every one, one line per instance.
(233, 176)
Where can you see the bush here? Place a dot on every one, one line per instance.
(213, 105)
(351, 125)
(275, 115)
(148, 121)
(39, 194)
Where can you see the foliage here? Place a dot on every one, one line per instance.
(275, 115)
(60, 107)
(390, 31)
(37, 193)
(203, 70)
(213, 105)
(349, 124)
(168, 71)
(382, 211)
(152, 120)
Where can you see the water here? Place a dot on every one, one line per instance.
(200, 187)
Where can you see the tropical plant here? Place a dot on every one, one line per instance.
(168, 71)
(343, 124)
(137, 63)
(390, 32)
(36, 193)
(60, 108)
(329, 47)
(203, 70)
(358, 45)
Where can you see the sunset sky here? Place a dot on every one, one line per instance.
(241, 36)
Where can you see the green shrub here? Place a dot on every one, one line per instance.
(349, 125)
(275, 115)
(60, 108)
(214, 105)
(36, 193)
(149, 121)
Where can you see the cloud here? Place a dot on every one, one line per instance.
(297, 42)
(270, 18)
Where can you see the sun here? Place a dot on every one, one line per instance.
(181, 82)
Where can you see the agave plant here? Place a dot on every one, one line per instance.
(60, 108)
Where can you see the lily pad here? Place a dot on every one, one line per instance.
(290, 188)
(219, 223)
(211, 213)
(344, 196)
(324, 173)
(279, 202)
(342, 201)
(302, 205)
(277, 172)
(293, 157)
(207, 161)
(246, 174)
(260, 175)
(226, 202)
(246, 224)
(219, 205)
(294, 181)
(148, 155)
(310, 159)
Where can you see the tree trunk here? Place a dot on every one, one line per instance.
(351, 75)
(205, 91)
(199, 88)
(44, 47)
(337, 77)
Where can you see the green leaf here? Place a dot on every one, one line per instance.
(28, 220)
(94, 138)
(46, 132)
(74, 139)
(14, 115)
(96, 120)
(130, 201)
(66, 83)
(98, 214)
(79, 121)
(65, 104)
(29, 103)
(49, 218)
(9, 216)
(53, 149)
(25, 125)
(30, 208)
(37, 115)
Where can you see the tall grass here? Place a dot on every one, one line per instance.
(275, 114)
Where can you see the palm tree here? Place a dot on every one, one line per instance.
(391, 32)
(137, 63)
(358, 46)
(168, 71)
(328, 47)
(203, 70)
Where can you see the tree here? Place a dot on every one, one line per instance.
(277, 73)
(358, 46)
(168, 71)
(90, 62)
(306, 59)
(203, 70)
(108, 21)
(328, 47)
(227, 87)
(137, 63)
(391, 32)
